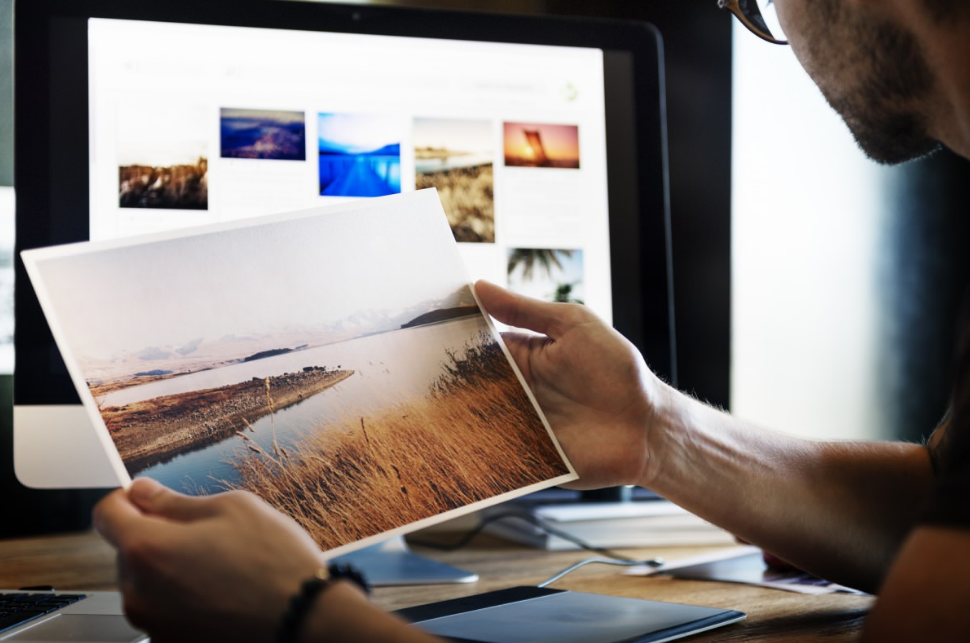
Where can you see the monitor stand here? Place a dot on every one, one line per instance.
(391, 563)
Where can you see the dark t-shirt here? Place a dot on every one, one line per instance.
(950, 448)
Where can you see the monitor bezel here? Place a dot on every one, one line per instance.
(52, 189)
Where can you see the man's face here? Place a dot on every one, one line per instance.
(872, 72)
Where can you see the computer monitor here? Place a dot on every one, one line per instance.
(545, 138)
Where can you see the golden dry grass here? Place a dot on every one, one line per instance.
(474, 436)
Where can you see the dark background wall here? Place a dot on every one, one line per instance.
(924, 275)
(24, 510)
(6, 92)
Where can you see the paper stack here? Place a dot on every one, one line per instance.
(651, 523)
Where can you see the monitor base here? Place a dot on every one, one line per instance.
(391, 563)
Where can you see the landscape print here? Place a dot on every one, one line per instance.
(356, 386)
(456, 157)
(359, 154)
(541, 145)
(262, 134)
(163, 158)
(549, 274)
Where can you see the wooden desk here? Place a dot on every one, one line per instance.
(84, 561)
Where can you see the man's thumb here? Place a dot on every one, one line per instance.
(155, 499)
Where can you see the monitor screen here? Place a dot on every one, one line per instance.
(192, 124)
(544, 138)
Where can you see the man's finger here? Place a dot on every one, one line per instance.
(158, 500)
(115, 516)
(520, 311)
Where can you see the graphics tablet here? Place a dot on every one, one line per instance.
(543, 615)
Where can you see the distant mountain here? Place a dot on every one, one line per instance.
(199, 354)
(460, 297)
(153, 353)
(459, 303)
(232, 337)
(270, 353)
(440, 315)
(190, 347)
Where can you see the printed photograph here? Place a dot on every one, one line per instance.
(538, 145)
(355, 386)
(163, 158)
(360, 154)
(262, 134)
(548, 274)
(456, 157)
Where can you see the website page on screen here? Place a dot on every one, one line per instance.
(196, 124)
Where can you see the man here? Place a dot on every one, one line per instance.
(886, 517)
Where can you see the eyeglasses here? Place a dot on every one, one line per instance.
(758, 16)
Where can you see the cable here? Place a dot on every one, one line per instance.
(653, 562)
(533, 520)
(613, 557)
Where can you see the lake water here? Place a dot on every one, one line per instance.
(389, 369)
(359, 175)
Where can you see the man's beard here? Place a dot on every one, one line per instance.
(886, 136)
(882, 108)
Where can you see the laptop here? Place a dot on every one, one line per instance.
(53, 617)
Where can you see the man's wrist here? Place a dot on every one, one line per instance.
(300, 605)
(667, 413)
(303, 602)
(340, 614)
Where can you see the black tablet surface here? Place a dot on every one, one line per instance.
(543, 615)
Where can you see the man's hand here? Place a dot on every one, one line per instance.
(221, 567)
(593, 385)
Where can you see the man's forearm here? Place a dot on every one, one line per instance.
(837, 509)
(344, 614)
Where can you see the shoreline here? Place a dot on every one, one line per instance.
(103, 389)
(156, 430)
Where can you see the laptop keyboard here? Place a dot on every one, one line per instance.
(20, 607)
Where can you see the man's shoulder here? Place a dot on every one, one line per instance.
(925, 595)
